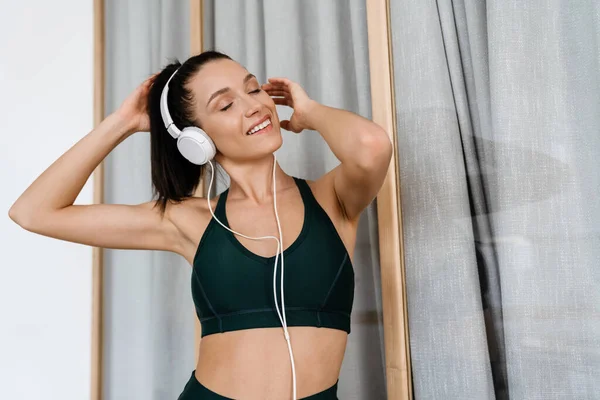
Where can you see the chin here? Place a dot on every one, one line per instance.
(274, 144)
(267, 148)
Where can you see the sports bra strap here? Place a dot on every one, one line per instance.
(306, 192)
(220, 209)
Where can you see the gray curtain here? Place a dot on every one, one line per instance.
(323, 46)
(149, 317)
(498, 111)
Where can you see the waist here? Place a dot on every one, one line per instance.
(257, 361)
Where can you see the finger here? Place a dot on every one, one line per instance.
(283, 87)
(285, 96)
(288, 126)
(151, 78)
(270, 86)
(284, 81)
(147, 84)
(279, 93)
(280, 101)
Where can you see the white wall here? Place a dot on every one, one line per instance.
(46, 86)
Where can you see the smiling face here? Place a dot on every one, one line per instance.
(235, 112)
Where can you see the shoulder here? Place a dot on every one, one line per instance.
(191, 217)
(195, 207)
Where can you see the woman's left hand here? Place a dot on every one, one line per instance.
(288, 93)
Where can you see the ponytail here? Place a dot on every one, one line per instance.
(173, 177)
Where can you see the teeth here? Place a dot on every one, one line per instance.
(259, 127)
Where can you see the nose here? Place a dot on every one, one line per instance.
(253, 106)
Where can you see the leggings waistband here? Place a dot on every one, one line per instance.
(194, 390)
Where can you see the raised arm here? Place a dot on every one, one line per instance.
(46, 207)
(362, 146)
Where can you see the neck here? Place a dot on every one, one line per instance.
(254, 180)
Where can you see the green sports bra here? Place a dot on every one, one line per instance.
(232, 287)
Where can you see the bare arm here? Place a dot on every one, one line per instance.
(46, 207)
(364, 150)
(362, 146)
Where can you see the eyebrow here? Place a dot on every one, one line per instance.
(227, 89)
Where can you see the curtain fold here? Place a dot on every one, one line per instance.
(148, 311)
(323, 46)
(498, 110)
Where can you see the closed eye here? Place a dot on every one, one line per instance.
(230, 104)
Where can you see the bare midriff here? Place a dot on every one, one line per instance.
(254, 364)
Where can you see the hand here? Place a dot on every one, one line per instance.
(288, 93)
(134, 108)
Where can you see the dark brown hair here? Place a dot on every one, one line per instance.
(173, 177)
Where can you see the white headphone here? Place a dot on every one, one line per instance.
(193, 143)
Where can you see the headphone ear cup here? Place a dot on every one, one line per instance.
(195, 145)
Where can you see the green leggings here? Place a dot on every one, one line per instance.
(194, 390)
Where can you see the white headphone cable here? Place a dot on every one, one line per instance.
(279, 241)
(284, 322)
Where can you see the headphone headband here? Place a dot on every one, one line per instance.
(192, 142)
(164, 110)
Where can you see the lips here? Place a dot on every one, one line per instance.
(263, 123)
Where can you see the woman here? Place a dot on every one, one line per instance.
(244, 354)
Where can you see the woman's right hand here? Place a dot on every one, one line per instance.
(134, 108)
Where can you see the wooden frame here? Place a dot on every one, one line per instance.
(397, 350)
(391, 252)
(98, 178)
